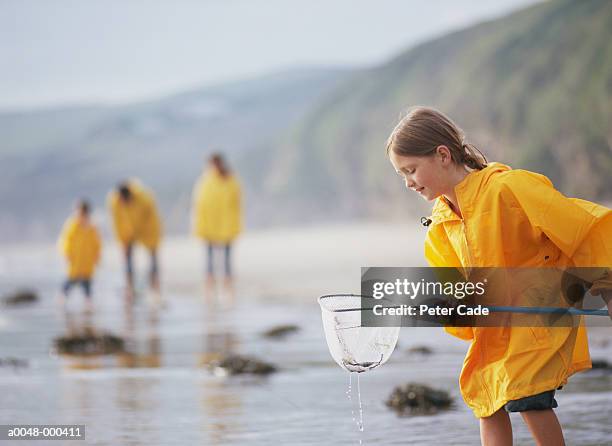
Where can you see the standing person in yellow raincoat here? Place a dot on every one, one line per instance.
(488, 215)
(217, 215)
(135, 220)
(80, 244)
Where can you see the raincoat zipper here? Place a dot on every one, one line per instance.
(468, 270)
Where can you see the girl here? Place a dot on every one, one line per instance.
(136, 220)
(488, 215)
(217, 215)
(80, 244)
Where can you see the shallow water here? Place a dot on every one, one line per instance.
(162, 394)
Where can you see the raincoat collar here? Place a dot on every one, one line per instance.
(466, 190)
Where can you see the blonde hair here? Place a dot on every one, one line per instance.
(423, 129)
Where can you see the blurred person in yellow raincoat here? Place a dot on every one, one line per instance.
(217, 215)
(80, 245)
(136, 220)
(488, 215)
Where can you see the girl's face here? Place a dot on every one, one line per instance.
(425, 175)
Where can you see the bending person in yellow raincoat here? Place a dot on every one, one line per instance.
(135, 220)
(217, 215)
(80, 244)
(488, 215)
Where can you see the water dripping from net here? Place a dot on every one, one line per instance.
(349, 392)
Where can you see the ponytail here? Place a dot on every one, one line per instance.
(472, 157)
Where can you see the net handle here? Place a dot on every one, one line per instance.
(344, 310)
(495, 309)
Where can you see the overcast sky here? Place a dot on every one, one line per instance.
(56, 52)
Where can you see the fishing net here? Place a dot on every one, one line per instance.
(353, 347)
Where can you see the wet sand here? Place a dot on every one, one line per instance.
(300, 264)
(160, 392)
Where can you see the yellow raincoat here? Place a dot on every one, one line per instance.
(136, 221)
(515, 218)
(217, 216)
(80, 244)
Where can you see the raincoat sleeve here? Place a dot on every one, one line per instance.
(439, 253)
(580, 229)
(195, 207)
(65, 242)
(438, 249)
(151, 231)
(97, 246)
(121, 226)
(235, 205)
(596, 249)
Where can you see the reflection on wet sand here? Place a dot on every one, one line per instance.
(146, 353)
(219, 406)
(219, 293)
(85, 346)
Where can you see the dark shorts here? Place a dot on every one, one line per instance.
(541, 401)
(84, 283)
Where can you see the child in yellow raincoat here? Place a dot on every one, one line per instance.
(79, 243)
(136, 220)
(216, 213)
(488, 215)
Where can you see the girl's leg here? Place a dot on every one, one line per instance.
(544, 427)
(154, 272)
(496, 430)
(129, 272)
(229, 286)
(86, 284)
(61, 299)
(66, 287)
(209, 283)
(210, 268)
(228, 265)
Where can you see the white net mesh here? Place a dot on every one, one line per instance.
(355, 348)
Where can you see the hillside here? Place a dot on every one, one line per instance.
(533, 89)
(48, 158)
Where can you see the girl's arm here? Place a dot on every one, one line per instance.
(580, 229)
